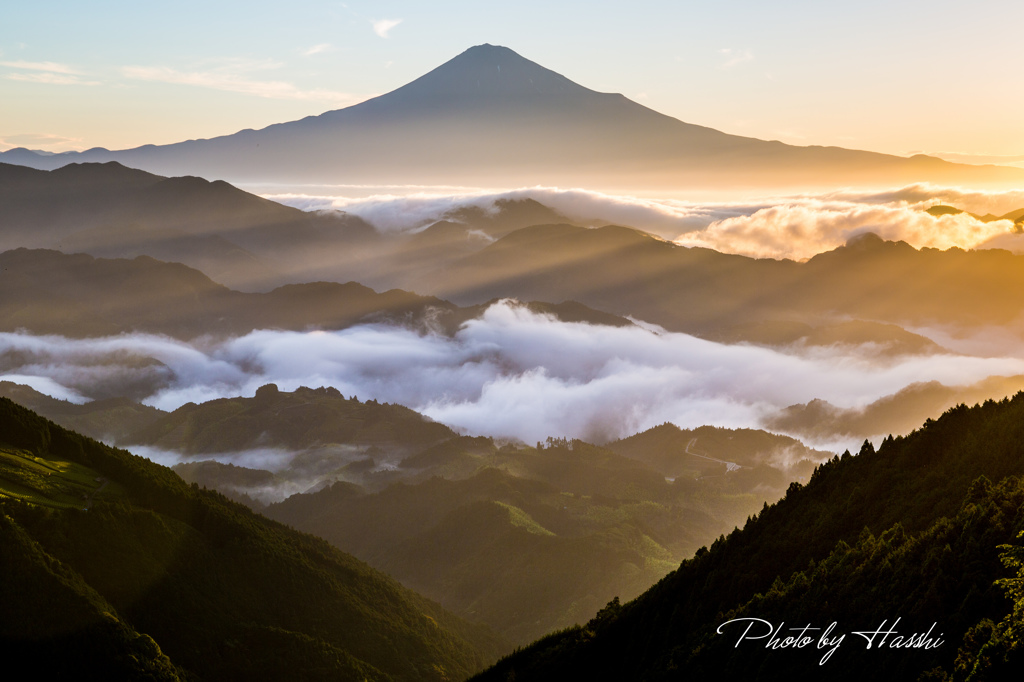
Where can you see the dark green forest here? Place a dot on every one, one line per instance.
(926, 529)
(158, 579)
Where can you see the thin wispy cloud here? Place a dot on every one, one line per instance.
(382, 26)
(50, 78)
(41, 140)
(236, 77)
(317, 49)
(734, 58)
(52, 67)
(50, 73)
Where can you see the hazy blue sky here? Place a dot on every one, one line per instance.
(895, 76)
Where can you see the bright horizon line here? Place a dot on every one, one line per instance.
(891, 81)
(1011, 160)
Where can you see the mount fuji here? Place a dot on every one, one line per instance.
(490, 117)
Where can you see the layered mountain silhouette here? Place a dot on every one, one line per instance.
(237, 238)
(490, 116)
(77, 295)
(730, 297)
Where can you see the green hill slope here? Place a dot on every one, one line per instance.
(525, 539)
(224, 593)
(913, 531)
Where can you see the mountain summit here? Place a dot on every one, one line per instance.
(492, 117)
(490, 70)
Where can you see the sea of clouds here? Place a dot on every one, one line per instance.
(511, 373)
(795, 227)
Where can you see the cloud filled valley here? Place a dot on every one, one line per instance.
(717, 339)
(511, 373)
(795, 227)
(496, 376)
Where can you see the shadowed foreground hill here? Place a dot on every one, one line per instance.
(162, 578)
(914, 531)
(109, 420)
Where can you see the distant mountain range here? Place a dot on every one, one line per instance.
(76, 295)
(490, 117)
(730, 297)
(519, 249)
(237, 238)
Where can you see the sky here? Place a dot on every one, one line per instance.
(900, 76)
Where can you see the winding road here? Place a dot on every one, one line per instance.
(729, 466)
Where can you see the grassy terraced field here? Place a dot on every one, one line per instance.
(51, 483)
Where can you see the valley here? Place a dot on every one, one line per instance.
(496, 376)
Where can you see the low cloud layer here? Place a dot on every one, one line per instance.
(511, 373)
(800, 231)
(796, 227)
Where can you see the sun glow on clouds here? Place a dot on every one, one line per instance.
(511, 373)
(796, 227)
(801, 231)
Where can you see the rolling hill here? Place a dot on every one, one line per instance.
(240, 239)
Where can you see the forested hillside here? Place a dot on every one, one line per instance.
(128, 571)
(917, 531)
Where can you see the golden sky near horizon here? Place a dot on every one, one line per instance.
(899, 77)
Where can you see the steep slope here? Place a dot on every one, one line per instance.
(913, 531)
(224, 593)
(489, 116)
(48, 609)
(110, 420)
